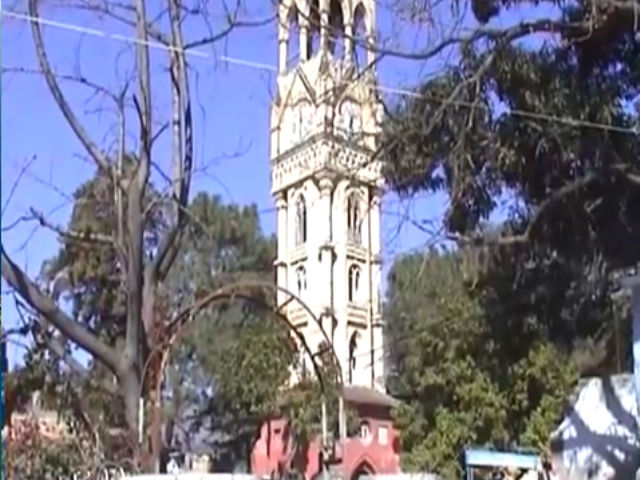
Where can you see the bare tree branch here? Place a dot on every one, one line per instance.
(233, 24)
(77, 127)
(81, 237)
(46, 307)
(558, 195)
(79, 79)
(182, 147)
(12, 192)
(115, 10)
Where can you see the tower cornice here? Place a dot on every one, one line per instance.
(324, 155)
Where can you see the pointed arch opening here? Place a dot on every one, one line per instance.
(313, 33)
(354, 218)
(301, 280)
(301, 220)
(293, 30)
(360, 37)
(336, 29)
(354, 283)
(364, 470)
(353, 349)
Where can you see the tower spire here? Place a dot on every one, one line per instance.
(343, 29)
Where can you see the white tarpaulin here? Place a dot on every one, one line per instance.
(598, 438)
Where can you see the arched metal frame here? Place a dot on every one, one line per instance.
(179, 326)
(233, 291)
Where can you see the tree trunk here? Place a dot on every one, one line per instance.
(130, 385)
(155, 424)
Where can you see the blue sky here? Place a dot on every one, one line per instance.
(232, 115)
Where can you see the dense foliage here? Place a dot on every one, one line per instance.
(467, 377)
(540, 136)
(566, 175)
(28, 456)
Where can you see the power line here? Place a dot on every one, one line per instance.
(570, 121)
(129, 39)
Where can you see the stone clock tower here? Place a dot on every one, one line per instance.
(326, 181)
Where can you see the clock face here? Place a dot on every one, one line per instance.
(296, 124)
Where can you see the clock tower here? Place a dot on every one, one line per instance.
(327, 183)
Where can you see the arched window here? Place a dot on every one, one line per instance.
(354, 282)
(301, 280)
(353, 346)
(301, 220)
(354, 219)
(313, 40)
(293, 46)
(336, 29)
(360, 37)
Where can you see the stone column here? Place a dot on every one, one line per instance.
(326, 248)
(282, 245)
(374, 233)
(304, 40)
(371, 40)
(378, 353)
(348, 43)
(324, 25)
(377, 325)
(282, 52)
(374, 212)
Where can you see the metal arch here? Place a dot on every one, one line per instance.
(183, 320)
(231, 291)
(219, 296)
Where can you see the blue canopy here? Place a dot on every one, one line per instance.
(490, 458)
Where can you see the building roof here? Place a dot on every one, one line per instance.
(368, 396)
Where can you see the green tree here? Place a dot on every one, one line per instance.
(537, 121)
(227, 374)
(449, 366)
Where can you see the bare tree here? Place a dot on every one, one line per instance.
(153, 25)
